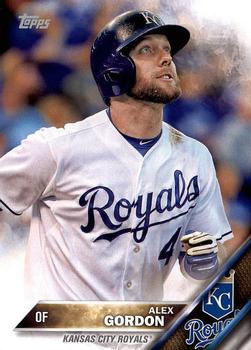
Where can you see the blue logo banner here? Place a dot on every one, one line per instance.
(219, 302)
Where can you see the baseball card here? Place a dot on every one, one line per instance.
(125, 186)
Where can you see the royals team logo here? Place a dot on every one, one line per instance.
(219, 302)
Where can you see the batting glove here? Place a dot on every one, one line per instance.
(200, 243)
(200, 261)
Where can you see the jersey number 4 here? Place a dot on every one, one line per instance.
(167, 250)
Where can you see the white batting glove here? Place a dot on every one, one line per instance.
(201, 259)
(199, 243)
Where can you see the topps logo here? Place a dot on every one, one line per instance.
(29, 22)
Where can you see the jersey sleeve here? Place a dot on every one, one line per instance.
(209, 214)
(26, 173)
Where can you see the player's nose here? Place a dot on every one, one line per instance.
(165, 58)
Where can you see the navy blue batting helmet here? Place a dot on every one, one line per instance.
(113, 70)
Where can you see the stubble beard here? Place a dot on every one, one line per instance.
(154, 93)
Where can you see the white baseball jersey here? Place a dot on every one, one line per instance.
(107, 222)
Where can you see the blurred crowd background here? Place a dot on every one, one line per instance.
(45, 80)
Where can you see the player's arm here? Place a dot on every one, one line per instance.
(209, 220)
(26, 174)
(202, 256)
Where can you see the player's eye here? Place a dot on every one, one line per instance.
(167, 49)
(145, 50)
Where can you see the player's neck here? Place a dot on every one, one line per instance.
(138, 118)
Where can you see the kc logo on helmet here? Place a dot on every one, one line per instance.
(219, 302)
(151, 18)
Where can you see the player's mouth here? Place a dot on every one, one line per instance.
(166, 77)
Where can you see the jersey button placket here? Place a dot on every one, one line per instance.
(133, 273)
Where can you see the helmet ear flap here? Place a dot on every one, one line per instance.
(112, 75)
(118, 78)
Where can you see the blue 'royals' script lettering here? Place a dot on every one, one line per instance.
(166, 201)
(204, 334)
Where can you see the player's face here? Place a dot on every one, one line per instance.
(156, 76)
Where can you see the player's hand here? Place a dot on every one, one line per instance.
(199, 243)
(200, 261)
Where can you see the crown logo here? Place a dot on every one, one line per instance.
(229, 278)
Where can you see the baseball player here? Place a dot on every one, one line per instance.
(118, 196)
